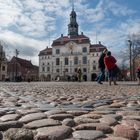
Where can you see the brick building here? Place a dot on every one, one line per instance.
(21, 69)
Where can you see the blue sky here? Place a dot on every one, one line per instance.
(27, 25)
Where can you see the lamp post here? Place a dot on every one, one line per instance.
(16, 70)
(0, 60)
(130, 57)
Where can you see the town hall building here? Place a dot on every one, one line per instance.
(69, 53)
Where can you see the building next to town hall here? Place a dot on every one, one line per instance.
(68, 53)
(21, 70)
(3, 64)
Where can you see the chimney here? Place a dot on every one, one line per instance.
(81, 33)
(99, 42)
(61, 35)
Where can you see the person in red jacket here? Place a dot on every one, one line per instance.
(110, 63)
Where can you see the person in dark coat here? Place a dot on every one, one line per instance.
(101, 64)
(79, 75)
(138, 74)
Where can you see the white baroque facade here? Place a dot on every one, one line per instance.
(68, 53)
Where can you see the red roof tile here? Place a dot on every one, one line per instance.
(22, 62)
(65, 39)
(47, 51)
(97, 47)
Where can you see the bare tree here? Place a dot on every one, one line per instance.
(135, 51)
(123, 62)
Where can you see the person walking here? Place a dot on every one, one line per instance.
(101, 64)
(138, 74)
(110, 63)
(79, 75)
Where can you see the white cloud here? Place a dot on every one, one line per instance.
(27, 24)
(28, 47)
(131, 26)
(32, 5)
(96, 14)
(118, 9)
(8, 12)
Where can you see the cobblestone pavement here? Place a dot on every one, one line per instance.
(69, 111)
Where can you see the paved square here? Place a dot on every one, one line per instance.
(55, 109)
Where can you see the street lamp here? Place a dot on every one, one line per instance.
(130, 57)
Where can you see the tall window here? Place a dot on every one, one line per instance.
(48, 69)
(57, 61)
(76, 60)
(94, 67)
(57, 51)
(43, 69)
(3, 68)
(84, 60)
(75, 69)
(84, 70)
(66, 70)
(66, 61)
(57, 70)
(84, 49)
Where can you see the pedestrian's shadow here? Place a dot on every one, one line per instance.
(131, 84)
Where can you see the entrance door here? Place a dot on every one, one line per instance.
(85, 77)
(93, 76)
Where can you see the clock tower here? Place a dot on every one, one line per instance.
(73, 26)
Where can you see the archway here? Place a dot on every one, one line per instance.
(85, 77)
(93, 76)
(57, 78)
(48, 77)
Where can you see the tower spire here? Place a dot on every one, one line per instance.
(72, 5)
(73, 25)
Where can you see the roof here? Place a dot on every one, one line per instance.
(35, 67)
(47, 51)
(93, 48)
(23, 62)
(97, 47)
(79, 39)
